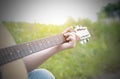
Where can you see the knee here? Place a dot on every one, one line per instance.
(40, 74)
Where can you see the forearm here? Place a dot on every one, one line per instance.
(36, 59)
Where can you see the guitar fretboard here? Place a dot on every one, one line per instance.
(21, 50)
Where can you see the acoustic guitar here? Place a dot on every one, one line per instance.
(11, 64)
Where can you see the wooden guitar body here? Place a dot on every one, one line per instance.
(15, 69)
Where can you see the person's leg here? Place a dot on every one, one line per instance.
(40, 74)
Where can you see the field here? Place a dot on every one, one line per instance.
(100, 54)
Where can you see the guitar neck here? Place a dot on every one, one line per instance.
(21, 50)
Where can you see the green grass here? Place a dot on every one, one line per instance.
(100, 54)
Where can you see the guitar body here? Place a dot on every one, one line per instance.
(15, 69)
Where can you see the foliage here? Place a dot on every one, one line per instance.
(100, 54)
(111, 10)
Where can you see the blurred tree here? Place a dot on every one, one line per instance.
(110, 11)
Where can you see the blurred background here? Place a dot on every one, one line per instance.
(28, 20)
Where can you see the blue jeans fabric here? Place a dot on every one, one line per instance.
(40, 74)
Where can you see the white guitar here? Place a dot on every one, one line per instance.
(11, 65)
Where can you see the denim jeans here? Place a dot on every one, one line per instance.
(40, 74)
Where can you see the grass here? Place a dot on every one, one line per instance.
(83, 61)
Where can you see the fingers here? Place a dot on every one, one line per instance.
(70, 39)
(70, 29)
(70, 36)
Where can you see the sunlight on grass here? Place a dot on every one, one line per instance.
(83, 61)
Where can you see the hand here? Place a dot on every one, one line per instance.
(71, 39)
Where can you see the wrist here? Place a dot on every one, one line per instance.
(58, 48)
